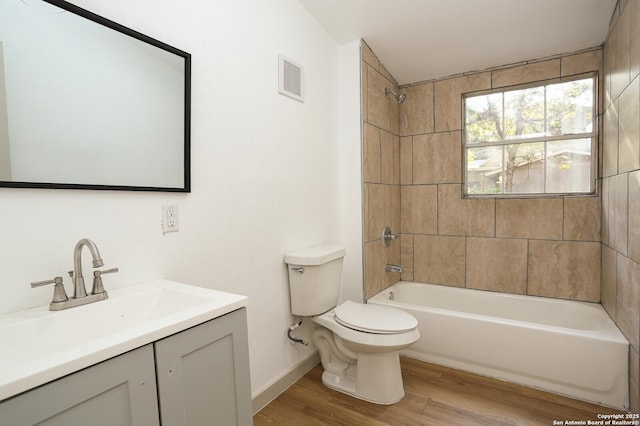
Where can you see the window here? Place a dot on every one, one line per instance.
(531, 141)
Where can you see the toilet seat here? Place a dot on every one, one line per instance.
(374, 319)
(363, 341)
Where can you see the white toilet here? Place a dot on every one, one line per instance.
(359, 344)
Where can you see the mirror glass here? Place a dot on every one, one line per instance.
(86, 103)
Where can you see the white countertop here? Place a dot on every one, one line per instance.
(38, 345)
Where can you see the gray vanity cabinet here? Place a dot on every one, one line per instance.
(199, 376)
(192, 389)
(119, 391)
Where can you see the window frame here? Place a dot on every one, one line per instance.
(594, 135)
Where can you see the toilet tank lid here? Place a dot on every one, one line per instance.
(316, 255)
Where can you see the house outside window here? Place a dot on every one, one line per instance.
(531, 141)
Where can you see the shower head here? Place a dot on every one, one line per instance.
(400, 97)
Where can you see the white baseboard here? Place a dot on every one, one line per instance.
(279, 386)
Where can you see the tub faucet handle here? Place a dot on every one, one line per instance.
(387, 236)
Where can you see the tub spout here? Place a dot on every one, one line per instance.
(393, 268)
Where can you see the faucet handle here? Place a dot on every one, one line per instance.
(98, 287)
(59, 295)
(106, 271)
(56, 280)
(387, 236)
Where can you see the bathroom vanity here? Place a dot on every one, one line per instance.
(165, 353)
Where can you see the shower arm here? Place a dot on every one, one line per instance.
(400, 97)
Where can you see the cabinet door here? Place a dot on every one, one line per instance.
(119, 391)
(203, 374)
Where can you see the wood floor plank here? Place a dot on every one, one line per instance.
(435, 396)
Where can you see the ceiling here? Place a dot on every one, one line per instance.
(421, 40)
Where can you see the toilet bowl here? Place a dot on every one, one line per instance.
(359, 348)
(359, 344)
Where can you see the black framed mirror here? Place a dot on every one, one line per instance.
(86, 103)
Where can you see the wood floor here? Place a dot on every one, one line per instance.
(434, 395)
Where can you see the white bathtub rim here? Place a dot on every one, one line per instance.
(609, 333)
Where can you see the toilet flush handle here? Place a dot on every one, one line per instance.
(298, 269)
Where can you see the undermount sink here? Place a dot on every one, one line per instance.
(39, 345)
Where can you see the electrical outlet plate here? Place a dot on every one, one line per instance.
(170, 222)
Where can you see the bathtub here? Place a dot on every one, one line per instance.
(566, 347)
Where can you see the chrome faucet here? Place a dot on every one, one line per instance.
(387, 236)
(393, 268)
(79, 290)
(80, 297)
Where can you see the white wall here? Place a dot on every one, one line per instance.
(266, 174)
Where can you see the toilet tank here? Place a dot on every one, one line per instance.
(315, 274)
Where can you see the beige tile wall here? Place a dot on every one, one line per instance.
(413, 183)
(547, 247)
(621, 181)
(381, 172)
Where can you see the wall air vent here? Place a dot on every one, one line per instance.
(291, 78)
